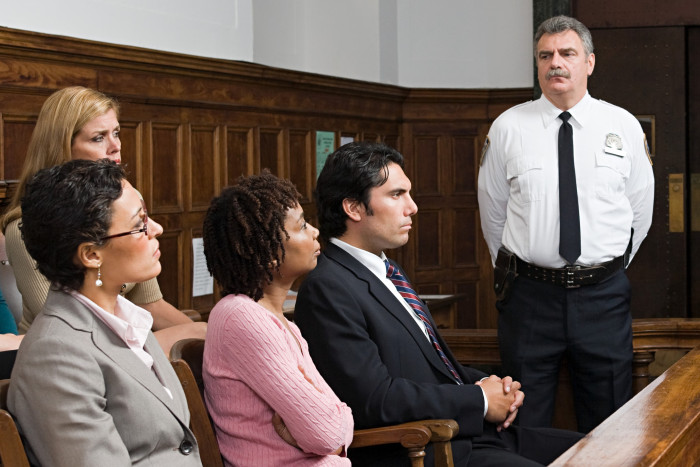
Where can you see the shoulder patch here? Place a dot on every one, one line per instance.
(485, 149)
(646, 148)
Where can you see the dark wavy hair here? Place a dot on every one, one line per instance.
(350, 172)
(244, 232)
(63, 207)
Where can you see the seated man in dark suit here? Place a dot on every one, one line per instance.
(377, 345)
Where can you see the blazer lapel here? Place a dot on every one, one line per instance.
(67, 308)
(390, 303)
(115, 349)
(165, 371)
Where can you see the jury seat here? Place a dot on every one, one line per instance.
(186, 357)
(12, 452)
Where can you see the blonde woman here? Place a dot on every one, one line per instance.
(80, 123)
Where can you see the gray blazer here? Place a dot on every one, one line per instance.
(82, 398)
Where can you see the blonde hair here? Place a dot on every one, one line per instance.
(61, 117)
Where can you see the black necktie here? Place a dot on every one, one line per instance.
(569, 223)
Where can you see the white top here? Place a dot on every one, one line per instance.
(519, 182)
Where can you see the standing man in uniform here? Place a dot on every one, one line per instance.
(565, 194)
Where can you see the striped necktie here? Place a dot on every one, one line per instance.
(406, 291)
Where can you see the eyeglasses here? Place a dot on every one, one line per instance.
(143, 229)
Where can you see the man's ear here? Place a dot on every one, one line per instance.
(590, 64)
(353, 209)
(89, 255)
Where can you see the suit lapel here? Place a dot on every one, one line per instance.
(115, 349)
(76, 314)
(389, 303)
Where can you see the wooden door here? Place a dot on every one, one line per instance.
(644, 71)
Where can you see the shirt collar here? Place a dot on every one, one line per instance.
(129, 322)
(371, 261)
(580, 113)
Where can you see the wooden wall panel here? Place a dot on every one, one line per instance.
(427, 229)
(427, 164)
(239, 153)
(192, 125)
(301, 166)
(131, 137)
(271, 152)
(171, 273)
(203, 166)
(16, 133)
(166, 149)
(464, 178)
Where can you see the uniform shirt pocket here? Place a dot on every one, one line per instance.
(526, 177)
(611, 174)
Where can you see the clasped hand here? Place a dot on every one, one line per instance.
(505, 398)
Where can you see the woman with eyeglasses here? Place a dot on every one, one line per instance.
(81, 123)
(91, 385)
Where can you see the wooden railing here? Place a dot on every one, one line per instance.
(660, 426)
(480, 346)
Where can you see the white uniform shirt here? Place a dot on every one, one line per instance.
(519, 182)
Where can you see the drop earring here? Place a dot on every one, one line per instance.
(98, 282)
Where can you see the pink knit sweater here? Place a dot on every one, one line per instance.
(252, 369)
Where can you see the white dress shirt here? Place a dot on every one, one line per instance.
(519, 184)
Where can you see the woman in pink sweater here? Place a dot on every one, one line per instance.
(269, 404)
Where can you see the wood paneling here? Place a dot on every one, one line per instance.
(192, 125)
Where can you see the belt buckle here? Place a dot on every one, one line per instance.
(569, 277)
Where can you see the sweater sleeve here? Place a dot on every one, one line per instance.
(33, 286)
(145, 292)
(258, 345)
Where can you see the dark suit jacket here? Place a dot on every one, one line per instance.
(82, 397)
(373, 354)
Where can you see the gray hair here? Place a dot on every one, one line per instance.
(558, 24)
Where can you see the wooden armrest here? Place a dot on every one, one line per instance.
(11, 449)
(409, 435)
(413, 436)
(194, 315)
(442, 430)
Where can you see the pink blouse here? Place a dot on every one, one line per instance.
(253, 368)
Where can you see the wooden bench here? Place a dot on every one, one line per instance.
(660, 426)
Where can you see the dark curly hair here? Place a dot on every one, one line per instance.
(244, 232)
(350, 172)
(63, 207)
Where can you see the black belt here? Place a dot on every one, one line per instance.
(570, 277)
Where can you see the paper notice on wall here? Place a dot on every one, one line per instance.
(202, 281)
(325, 145)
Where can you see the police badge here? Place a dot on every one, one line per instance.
(613, 145)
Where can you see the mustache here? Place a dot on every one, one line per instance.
(558, 72)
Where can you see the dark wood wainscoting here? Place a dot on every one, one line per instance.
(192, 125)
